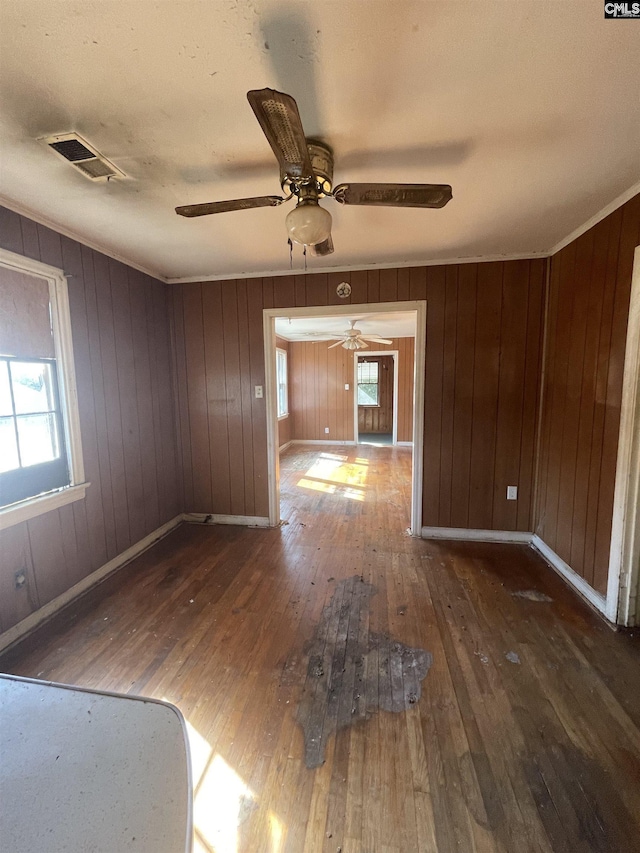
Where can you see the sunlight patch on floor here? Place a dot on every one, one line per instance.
(200, 751)
(351, 474)
(324, 468)
(352, 494)
(218, 807)
(222, 802)
(277, 833)
(333, 474)
(328, 488)
(343, 491)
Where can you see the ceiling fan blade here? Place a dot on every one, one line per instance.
(280, 121)
(324, 248)
(360, 344)
(337, 344)
(227, 206)
(376, 339)
(394, 195)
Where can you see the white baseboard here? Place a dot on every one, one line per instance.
(284, 446)
(471, 535)
(343, 443)
(317, 441)
(31, 622)
(212, 518)
(594, 597)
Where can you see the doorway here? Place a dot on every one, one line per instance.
(376, 398)
(417, 310)
(623, 592)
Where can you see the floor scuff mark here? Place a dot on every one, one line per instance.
(531, 595)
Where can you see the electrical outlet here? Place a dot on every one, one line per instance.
(326, 429)
(259, 392)
(512, 493)
(20, 579)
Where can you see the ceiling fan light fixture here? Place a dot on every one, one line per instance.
(308, 223)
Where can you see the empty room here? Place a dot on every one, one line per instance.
(319, 426)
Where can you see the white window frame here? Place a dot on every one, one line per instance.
(63, 349)
(280, 351)
(360, 360)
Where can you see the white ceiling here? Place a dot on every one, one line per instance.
(392, 324)
(529, 109)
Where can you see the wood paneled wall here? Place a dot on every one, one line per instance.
(284, 424)
(589, 291)
(484, 331)
(406, 353)
(318, 399)
(318, 396)
(484, 341)
(120, 325)
(379, 419)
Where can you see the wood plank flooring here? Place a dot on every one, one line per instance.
(523, 736)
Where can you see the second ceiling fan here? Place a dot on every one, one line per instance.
(306, 172)
(352, 338)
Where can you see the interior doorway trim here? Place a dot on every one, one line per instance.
(357, 356)
(623, 605)
(273, 463)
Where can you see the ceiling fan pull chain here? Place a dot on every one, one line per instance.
(304, 252)
(290, 253)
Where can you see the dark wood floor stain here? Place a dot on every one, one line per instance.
(354, 672)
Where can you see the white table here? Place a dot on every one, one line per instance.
(83, 771)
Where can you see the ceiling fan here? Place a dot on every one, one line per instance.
(306, 172)
(351, 338)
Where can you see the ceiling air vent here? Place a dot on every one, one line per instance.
(83, 156)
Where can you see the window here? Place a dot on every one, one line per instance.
(40, 453)
(33, 458)
(368, 388)
(283, 384)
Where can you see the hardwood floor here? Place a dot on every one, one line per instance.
(517, 729)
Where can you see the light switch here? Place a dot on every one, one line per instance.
(259, 392)
(512, 493)
(346, 386)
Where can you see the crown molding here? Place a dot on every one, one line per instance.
(25, 211)
(392, 265)
(623, 198)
